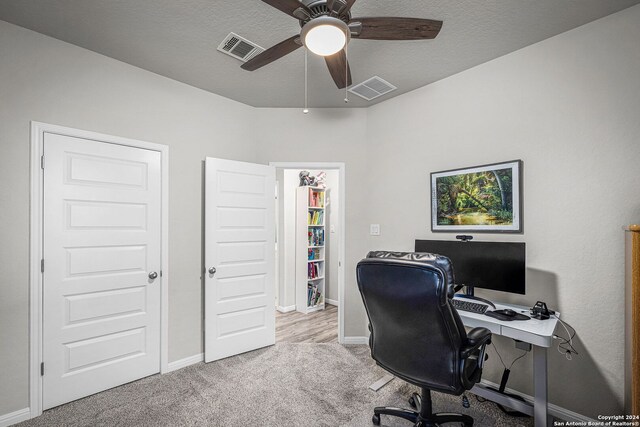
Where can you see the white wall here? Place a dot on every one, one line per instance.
(569, 107)
(50, 81)
(288, 247)
(280, 260)
(333, 229)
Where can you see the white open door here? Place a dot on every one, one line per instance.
(239, 257)
(102, 255)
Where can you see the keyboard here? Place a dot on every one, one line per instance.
(473, 307)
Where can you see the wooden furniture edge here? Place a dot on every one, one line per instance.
(635, 319)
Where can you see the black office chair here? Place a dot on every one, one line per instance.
(416, 334)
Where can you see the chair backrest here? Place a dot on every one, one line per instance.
(415, 331)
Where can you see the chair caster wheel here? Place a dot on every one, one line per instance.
(375, 419)
(412, 402)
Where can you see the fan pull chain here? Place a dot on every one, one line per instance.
(346, 72)
(306, 84)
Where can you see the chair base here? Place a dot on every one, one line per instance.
(423, 415)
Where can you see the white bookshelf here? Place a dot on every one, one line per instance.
(310, 249)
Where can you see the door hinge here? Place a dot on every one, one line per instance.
(42, 265)
(42, 369)
(42, 162)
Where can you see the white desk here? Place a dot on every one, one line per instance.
(539, 333)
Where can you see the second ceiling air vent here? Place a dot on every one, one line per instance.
(372, 88)
(239, 47)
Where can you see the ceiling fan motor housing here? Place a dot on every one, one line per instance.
(319, 8)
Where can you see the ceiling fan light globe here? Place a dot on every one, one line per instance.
(325, 40)
(325, 36)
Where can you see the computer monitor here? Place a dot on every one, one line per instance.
(499, 266)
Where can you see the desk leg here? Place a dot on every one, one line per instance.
(540, 410)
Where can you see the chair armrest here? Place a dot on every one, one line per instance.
(476, 338)
(472, 356)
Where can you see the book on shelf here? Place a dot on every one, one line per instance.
(316, 237)
(316, 198)
(313, 295)
(311, 290)
(315, 218)
(313, 254)
(313, 270)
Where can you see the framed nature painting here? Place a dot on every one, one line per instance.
(479, 199)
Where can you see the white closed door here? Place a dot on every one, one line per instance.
(102, 234)
(239, 257)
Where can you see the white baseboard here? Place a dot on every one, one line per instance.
(554, 410)
(332, 302)
(183, 363)
(355, 340)
(15, 417)
(286, 309)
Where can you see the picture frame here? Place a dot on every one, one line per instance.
(485, 199)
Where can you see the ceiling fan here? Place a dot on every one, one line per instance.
(327, 27)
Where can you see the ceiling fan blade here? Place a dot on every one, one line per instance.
(391, 28)
(291, 7)
(274, 52)
(339, 7)
(349, 4)
(339, 69)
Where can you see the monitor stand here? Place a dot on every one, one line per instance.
(469, 295)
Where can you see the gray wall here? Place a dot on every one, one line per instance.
(569, 107)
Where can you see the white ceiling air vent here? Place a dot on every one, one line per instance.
(372, 88)
(239, 47)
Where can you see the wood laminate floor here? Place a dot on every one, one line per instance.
(320, 326)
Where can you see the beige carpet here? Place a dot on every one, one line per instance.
(284, 385)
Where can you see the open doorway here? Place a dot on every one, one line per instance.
(294, 321)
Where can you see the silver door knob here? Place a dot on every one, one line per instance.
(153, 275)
(212, 270)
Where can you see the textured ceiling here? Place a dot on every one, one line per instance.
(178, 39)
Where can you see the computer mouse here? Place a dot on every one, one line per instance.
(509, 312)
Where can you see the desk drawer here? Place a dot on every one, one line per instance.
(529, 337)
(473, 323)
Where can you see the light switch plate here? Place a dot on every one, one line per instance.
(374, 229)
